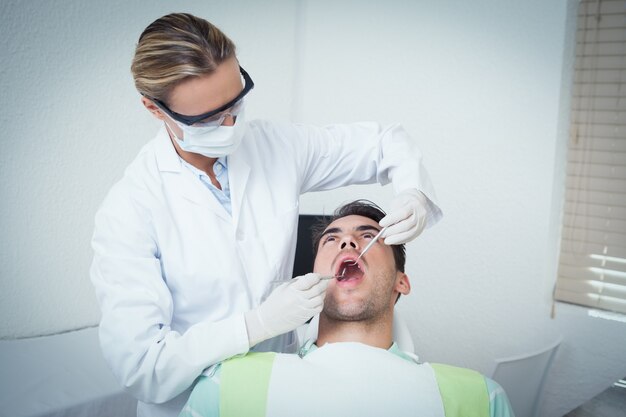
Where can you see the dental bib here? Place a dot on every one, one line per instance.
(338, 379)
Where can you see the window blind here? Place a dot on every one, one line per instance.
(592, 264)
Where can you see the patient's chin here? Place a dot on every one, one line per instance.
(354, 310)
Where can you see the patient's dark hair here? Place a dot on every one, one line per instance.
(363, 208)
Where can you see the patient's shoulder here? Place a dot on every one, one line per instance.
(455, 373)
(462, 388)
(252, 357)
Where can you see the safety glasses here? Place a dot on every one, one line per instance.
(216, 117)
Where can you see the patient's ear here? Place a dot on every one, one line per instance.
(403, 285)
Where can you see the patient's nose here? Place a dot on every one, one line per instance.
(347, 241)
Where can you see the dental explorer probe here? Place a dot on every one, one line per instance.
(369, 245)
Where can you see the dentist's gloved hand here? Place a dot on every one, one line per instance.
(406, 218)
(288, 306)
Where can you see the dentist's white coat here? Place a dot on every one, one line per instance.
(174, 272)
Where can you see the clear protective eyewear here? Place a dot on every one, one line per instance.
(213, 118)
(216, 121)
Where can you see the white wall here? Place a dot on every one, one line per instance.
(71, 121)
(482, 86)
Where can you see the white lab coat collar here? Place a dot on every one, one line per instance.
(166, 157)
(238, 172)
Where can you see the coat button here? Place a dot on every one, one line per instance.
(240, 235)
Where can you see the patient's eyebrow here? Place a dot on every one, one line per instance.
(361, 228)
(367, 227)
(331, 231)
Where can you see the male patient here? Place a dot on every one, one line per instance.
(353, 368)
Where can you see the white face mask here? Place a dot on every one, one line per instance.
(213, 142)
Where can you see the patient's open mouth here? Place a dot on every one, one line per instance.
(349, 270)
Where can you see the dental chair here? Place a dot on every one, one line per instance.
(523, 377)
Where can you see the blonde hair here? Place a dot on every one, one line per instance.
(175, 47)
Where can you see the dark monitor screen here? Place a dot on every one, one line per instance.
(304, 248)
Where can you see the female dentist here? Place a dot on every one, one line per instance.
(194, 246)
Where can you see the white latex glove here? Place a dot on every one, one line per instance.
(290, 305)
(406, 218)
